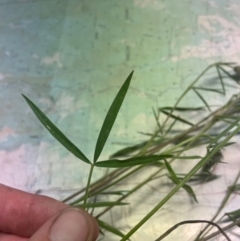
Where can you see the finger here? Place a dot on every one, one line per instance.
(23, 213)
(68, 225)
(11, 237)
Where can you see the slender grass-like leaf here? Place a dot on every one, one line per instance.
(185, 179)
(101, 204)
(200, 177)
(56, 133)
(111, 117)
(221, 79)
(110, 228)
(183, 109)
(172, 173)
(175, 180)
(203, 100)
(189, 190)
(176, 117)
(128, 150)
(120, 192)
(134, 161)
(188, 157)
(229, 144)
(156, 116)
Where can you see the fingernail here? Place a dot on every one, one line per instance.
(71, 225)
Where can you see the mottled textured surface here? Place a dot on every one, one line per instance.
(70, 57)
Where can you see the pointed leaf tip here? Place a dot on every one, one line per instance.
(111, 117)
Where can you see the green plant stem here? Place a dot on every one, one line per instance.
(151, 177)
(112, 175)
(98, 191)
(143, 151)
(88, 185)
(196, 127)
(132, 191)
(154, 174)
(187, 177)
(95, 185)
(191, 222)
(118, 180)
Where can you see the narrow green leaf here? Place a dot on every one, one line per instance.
(172, 173)
(134, 161)
(176, 117)
(186, 187)
(229, 144)
(203, 100)
(101, 204)
(128, 150)
(120, 192)
(110, 228)
(56, 132)
(182, 109)
(200, 177)
(111, 117)
(156, 116)
(190, 191)
(221, 79)
(175, 179)
(189, 157)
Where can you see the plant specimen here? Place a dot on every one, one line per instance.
(167, 144)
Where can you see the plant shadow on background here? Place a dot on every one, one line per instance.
(167, 144)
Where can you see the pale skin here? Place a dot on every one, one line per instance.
(29, 217)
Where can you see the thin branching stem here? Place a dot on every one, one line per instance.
(98, 183)
(224, 201)
(191, 222)
(209, 155)
(231, 225)
(103, 187)
(132, 191)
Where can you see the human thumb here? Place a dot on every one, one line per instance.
(68, 225)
